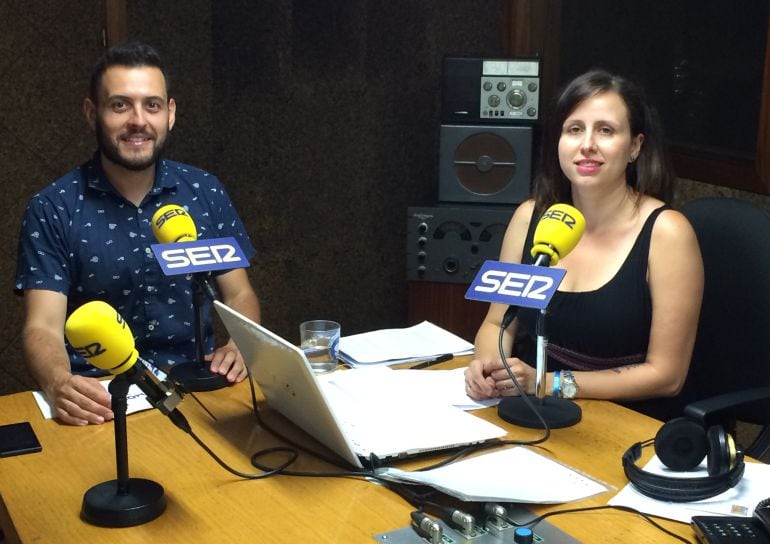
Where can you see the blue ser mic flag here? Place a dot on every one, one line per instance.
(515, 284)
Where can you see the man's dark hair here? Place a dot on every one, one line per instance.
(131, 54)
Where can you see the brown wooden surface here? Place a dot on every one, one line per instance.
(43, 491)
(529, 31)
(445, 305)
(115, 22)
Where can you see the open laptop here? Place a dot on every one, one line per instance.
(351, 427)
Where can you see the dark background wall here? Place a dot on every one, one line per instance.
(45, 50)
(321, 118)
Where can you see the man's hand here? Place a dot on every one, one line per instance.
(228, 361)
(77, 400)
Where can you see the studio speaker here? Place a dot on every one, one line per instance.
(485, 164)
(449, 244)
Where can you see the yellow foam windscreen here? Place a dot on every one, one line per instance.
(100, 335)
(171, 223)
(558, 232)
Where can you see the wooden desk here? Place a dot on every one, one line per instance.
(43, 491)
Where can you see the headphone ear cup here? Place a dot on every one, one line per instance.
(721, 449)
(681, 444)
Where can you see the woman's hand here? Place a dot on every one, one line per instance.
(488, 379)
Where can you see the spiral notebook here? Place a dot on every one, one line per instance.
(353, 428)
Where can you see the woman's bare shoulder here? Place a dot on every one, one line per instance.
(524, 211)
(513, 243)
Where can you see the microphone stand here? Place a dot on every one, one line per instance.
(196, 375)
(123, 502)
(556, 412)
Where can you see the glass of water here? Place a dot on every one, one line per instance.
(320, 340)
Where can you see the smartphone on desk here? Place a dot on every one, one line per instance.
(17, 439)
(733, 529)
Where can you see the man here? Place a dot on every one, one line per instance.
(88, 235)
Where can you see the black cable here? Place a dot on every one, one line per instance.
(178, 419)
(647, 517)
(522, 393)
(374, 463)
(495, 443)
(547, 434)
(267, 472)
(405, 490)
(334, 462)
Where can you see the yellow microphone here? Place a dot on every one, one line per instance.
(171, 223)
(557, 233)
(98, 333)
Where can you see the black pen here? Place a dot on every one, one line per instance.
(431, 362)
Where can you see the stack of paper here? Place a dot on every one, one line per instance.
(393, 346)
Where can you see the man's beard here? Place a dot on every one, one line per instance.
(112, 152)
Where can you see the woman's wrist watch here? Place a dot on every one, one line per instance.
(568, 387)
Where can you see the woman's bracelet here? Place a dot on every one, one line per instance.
(556, 384)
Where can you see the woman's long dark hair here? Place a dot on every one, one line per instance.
(650, 174)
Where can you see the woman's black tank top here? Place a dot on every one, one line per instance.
(605, 328)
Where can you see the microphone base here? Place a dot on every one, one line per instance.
(105, 505)
(556, 412)
(193, 377)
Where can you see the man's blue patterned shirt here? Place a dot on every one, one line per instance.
(81, 238)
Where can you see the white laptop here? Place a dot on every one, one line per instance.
(354, 428)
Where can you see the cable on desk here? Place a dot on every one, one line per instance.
(178, 419)
(342, 473)
(647, 517)
(368, 472)
(375, 463)
(182, 423)
(409, 492)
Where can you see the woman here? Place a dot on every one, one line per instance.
(622, 325)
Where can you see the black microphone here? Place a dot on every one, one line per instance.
(171, 224)
(556, 234)
(99, 333)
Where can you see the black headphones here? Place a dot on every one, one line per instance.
(681, 444)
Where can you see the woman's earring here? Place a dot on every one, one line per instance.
(632, 158)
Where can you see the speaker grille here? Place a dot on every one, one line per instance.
(485, 164)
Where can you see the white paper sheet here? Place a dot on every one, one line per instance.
(514, 474)
(440, 387)
(391, 346)
(137, 401)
